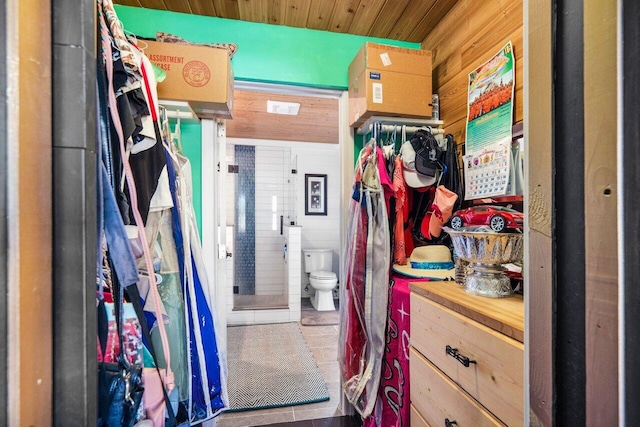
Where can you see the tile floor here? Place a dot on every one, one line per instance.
(323, 342)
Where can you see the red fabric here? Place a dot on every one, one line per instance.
(408, 224)
(393, 402)
(385, 180)
(400, 191)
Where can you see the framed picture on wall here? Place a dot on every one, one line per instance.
(315, 194)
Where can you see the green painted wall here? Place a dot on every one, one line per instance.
(266, 53)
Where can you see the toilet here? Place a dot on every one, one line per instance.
(318, 263)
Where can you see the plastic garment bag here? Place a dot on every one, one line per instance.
(364, 309)
(207, 361)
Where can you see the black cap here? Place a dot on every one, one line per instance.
(428, 153)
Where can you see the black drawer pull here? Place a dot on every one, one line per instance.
(448, 423)
(453, 352)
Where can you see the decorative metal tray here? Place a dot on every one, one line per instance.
(485, 247)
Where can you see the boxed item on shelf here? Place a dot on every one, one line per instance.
(200, 75)
(389, 81)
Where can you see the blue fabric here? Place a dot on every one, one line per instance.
(209, 348)
(124, 262)
(446, 265)
(209, 344)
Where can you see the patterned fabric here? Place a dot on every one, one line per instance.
(393, 404)
(131, 335)
(115, 27)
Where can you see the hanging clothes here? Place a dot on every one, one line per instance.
(146, 181)
(363, 312)
(400, 193)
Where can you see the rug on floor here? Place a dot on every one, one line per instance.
(271, 366)
(319, 318)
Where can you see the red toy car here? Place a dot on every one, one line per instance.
(499, 218)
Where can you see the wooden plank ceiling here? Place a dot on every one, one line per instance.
(317, 119)
(408, 20)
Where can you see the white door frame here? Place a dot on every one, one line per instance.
(214, 159)
(214, 238)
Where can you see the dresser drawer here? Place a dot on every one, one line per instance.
(437, 398)
(495, 379)
(416, 418)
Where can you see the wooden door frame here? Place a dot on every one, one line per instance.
(27, 197)
(571, 289)
(538, 205)
(3, 217)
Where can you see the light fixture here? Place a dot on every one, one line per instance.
(280, 107)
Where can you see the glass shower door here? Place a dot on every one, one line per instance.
(259, 189)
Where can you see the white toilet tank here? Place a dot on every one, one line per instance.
(317, 260)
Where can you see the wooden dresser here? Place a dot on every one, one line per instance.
(467, 358)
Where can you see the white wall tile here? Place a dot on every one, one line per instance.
(241, 317)
(271, 316)
(295, 315)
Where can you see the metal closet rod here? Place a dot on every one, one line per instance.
(409, 129)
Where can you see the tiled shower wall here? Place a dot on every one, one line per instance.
(245, 215)
(272, 170)
(261, 182)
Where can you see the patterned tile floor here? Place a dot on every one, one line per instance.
(323, 342)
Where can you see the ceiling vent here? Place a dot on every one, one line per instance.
(279, 107)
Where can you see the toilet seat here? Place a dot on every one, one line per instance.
(323, 275)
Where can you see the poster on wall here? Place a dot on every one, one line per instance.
(487, 162)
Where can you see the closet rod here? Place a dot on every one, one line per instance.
(409, 129)
(182, 115)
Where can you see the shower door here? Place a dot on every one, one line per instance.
(258, 203)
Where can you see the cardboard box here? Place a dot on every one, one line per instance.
(200, 75)
(389, 81)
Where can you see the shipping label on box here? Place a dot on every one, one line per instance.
(200, 75)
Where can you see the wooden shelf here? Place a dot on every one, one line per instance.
(386, 120)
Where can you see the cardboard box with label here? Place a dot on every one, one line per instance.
(200, 75)
(389, 81)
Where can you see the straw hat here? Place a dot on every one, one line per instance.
(431, 261)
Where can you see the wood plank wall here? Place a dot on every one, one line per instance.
(467, 36)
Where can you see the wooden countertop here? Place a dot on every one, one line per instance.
(505, 315)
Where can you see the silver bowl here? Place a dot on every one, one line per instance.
(485, 252)
(487, 247)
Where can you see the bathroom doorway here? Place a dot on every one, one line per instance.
(260, 203)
